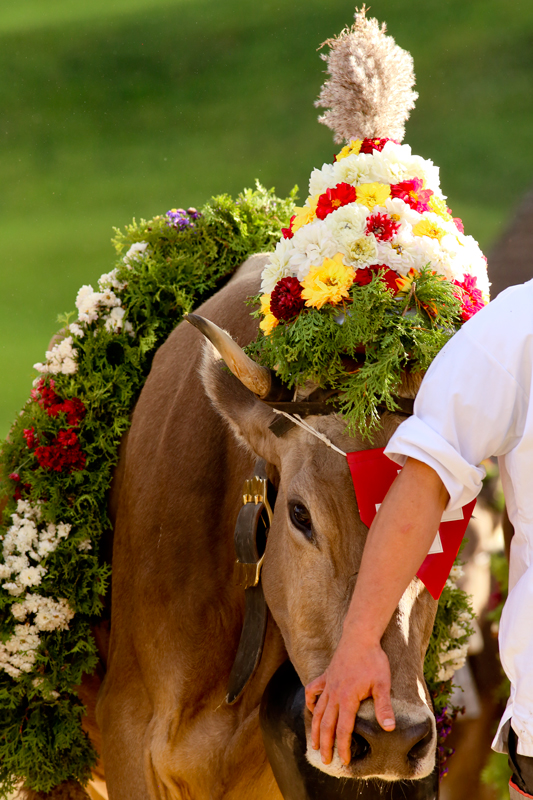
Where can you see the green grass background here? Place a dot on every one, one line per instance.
(118, 108)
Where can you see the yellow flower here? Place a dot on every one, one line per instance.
(427, 228)
(438, 206)
(305, 214)
(268, 323)
(328, 283)
(353, 148)
(372, 194)
(265, 303)
(404, 283)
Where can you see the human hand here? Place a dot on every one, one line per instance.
(356, 672)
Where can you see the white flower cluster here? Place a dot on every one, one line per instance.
(18, 653)
(452, 656)
(136, 252)
(61, 358)
(105, 304)
(429, 238)
(24, 546)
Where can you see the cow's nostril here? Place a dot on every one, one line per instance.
(360, 747)
(424, 734)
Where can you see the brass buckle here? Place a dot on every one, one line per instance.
(254, 491)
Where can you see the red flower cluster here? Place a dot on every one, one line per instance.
(382, 226)
(64, 452)
(369, 145)
(48, 400)
(412, 193)
(388, 276)
(470, 296)
(332, 199)
(31, 439)
(286, 298)
(288, 233)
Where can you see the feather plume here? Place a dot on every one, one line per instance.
(370, 89)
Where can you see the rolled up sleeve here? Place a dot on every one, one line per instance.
(469, 407)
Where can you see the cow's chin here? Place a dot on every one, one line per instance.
(387, 756)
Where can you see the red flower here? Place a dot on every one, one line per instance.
(469, 295)
(286, 298)
(388, 276)
(363, 276)
(15, 477)
(31, 439)
(332, 199)
(459, 224)
(288, 232)
(64, 452)
(369, 145)
(382, 226)
(412, 193)
(48, 400)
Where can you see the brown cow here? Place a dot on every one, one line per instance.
(167, 731)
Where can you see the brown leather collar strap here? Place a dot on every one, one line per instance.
(251, 531)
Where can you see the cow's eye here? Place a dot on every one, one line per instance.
(301, 518)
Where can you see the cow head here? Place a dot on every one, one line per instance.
(313, 554)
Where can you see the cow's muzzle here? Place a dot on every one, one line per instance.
(385, 765)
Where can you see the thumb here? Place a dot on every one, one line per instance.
(313, 690)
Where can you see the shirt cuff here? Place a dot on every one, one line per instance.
(415, 439)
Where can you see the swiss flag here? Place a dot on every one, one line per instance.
(372, 475)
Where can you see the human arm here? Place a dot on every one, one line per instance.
(398, 541)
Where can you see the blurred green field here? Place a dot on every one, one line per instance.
(118, 108)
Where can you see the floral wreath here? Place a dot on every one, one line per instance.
(332, 288)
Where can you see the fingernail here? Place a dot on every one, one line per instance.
(389, 723)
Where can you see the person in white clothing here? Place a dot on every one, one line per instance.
(475, 401)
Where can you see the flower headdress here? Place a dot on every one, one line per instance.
(373, 274)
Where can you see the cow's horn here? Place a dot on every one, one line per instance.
(255, 377)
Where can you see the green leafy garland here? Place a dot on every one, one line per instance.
(57, 465)
(381, 334)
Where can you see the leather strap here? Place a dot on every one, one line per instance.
(251, 531)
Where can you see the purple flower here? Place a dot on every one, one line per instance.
(180, 219)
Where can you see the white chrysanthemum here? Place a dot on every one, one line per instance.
(432, 255)
(399, 211)
(311, 245)
(361, 252)
(348, 222)
(423, 168)
(398, 254)
(84, 546)
(136, 253)
(277, 266)
(353, 170)
(322, 179)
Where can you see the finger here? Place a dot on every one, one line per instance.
(313, 690)
(383, 706)
(345, 725)
(327, 732)
(317, 719)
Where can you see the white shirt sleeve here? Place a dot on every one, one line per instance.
(469, 407)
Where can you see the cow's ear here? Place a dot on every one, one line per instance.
(248, 417)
